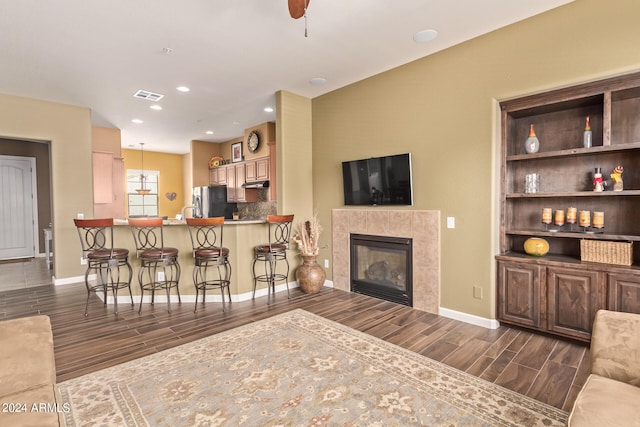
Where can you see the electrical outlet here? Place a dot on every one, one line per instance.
(477, 292)
(451, 222)
(326, 263)
(160, 276)
(80, 215)
(83, 261)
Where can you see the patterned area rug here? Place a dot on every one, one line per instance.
(294, 369)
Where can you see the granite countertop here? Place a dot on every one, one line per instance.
(174, 221)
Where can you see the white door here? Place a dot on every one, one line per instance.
(17, 218)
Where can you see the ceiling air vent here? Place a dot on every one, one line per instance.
(149, 96)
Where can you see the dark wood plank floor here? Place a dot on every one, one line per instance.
(547, 369)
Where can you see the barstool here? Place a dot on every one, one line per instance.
(155, 258)
(212, 269)
(96, 238)
(272, 252)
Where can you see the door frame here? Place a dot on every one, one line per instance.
(34, 204)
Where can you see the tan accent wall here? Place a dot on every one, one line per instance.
(442, 109)
(68, 128)
(171, 177)
(201, 152)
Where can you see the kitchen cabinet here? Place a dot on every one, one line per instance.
(236, 176)
(257, 170)
(116, 207)
(570, 290)
(218, 176)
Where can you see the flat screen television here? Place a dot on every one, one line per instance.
(378, 181)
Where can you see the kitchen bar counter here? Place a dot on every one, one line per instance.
(239, 236)
(183, 222)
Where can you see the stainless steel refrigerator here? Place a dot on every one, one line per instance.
(211, 202)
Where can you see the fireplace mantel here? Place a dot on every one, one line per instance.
(421, 226)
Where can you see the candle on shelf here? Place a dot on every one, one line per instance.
(598, 219)
(571, 215)
(546, 215)
(585, 218)
(559, 217)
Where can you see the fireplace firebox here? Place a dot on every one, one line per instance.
(381, 267)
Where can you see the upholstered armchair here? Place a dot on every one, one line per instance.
(611, 395)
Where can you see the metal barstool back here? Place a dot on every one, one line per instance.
(96, 239)
(212, 268)
(273, 252)
(155, 258)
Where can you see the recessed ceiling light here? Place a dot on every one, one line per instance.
(183, 89)
(209, 132)
(318, 81)
(268, 110)
(137, 121)
(156, 107)
(425, 36)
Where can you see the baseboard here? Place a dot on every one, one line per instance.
(469, 318)
(210, 297)
(71, 280)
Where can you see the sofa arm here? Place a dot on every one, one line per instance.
(615, 346)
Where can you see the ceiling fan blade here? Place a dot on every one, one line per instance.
(296, 8)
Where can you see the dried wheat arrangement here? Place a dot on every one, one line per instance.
(307, 237)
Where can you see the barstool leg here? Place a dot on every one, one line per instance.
(255, 278)
(86, 283)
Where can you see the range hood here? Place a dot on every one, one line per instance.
(256, 184)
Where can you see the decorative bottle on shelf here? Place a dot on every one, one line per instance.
(532, 145)
(587, 137)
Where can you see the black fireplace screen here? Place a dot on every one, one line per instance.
(381, 267)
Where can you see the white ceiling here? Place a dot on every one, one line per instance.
(233, 54)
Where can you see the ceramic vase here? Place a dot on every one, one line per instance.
(532, 144)
(536, 247)
(310, 275)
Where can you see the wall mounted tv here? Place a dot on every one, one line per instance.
(378, 181)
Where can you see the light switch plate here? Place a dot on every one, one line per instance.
(451, 222)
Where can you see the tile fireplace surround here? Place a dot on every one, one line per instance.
(421, 226)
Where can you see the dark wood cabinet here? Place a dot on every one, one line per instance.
(574, 296)
(571, 290)
(623, 291)
(519, 294)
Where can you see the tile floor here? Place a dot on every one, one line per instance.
(25, 273)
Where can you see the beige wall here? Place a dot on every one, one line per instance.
(442, 110)
(68, 128)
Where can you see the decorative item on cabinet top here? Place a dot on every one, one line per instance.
(216, 161)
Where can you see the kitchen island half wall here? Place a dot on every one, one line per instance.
(239, 236)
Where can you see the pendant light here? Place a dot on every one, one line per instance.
(142, 190)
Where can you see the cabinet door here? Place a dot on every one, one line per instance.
(213, 176)
(230, 179)
(573, 299)
(624, 292)
(240, 179)
(262, 169)
(519, 293)
(250, 170)
(222, 175)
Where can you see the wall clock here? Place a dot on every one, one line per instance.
(253, 142)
